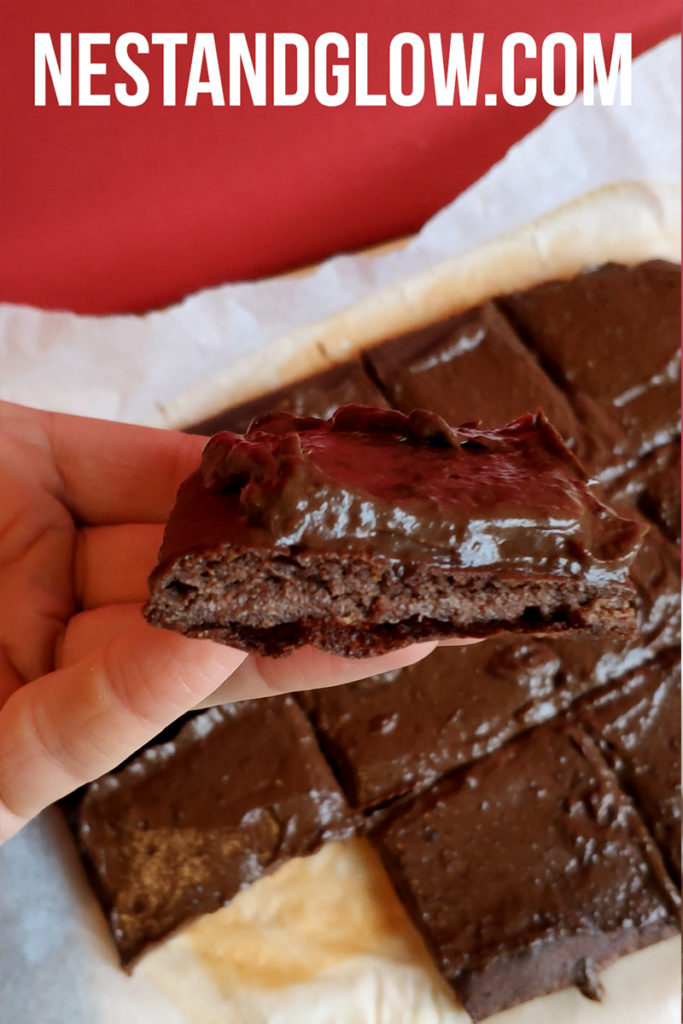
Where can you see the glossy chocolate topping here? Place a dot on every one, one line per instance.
(527, 871)
(398, 485)
(187, 823)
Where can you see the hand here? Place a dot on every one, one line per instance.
(84, 680)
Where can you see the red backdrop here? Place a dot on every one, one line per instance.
(113, 209)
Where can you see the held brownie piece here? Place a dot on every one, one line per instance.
(527, 872)
(373, 529)
(186, 824)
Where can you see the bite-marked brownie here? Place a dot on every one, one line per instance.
(528, 871)
(637, 723)
(186, 824)
(318, 395)
(373, 529)
(401, 730)
(611, 338)
(470, 367)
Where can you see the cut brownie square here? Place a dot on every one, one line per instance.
(186, 824)
(373, 529)
(319, 395)
(637, 723)
(653, 485)
(402, 730)
(470, 367)
(611, 338)
(528, 871)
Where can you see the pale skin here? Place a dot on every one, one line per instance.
(84, 680)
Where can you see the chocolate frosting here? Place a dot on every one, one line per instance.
(409, 486)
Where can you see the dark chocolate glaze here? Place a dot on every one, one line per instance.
(637, 722)
(319, 395)
(186, 824)
(405, 487)
(525, 868)
(611, 338)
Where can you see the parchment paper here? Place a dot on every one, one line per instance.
(57, 965)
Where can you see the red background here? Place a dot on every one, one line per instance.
(114, 209)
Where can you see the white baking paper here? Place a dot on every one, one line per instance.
(57, 965)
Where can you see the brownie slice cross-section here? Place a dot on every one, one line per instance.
(528, 871)
(186, 824)
(373, 529)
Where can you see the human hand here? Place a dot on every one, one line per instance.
(84, 680)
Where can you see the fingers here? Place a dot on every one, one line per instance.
(88, 631)
(119, 473)
(112, 563)
(307, 669)
(73, 725)
(10, 679)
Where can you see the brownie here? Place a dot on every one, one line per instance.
(401, 730)
(373, 529)
(528, 871)
(611, 338)
(653, 485)
(186, 824)
(637, 723)
(470, 367)
(319, 395)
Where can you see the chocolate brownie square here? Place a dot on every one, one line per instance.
(470, 367)
(653, 485)
(611, 338)
(636, 721)
(527, 872)
(403, 729)
(186, 824)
